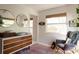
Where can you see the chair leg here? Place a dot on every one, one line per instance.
(73, 51)
(64, 51)
(57, 49)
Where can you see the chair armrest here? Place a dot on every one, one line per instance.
(60, 41)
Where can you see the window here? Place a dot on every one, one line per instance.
(56, 24)
(7, 22)
(30, 26)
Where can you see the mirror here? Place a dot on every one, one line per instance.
(21, 20)
(6, 18)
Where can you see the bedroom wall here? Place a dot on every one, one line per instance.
(17, 9)
(21, 9)
(48, 38)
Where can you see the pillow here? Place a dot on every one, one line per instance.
(73, 38)
(68, 40)
(78, 43)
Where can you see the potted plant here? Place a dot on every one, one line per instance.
(1, 22)
(77, 21)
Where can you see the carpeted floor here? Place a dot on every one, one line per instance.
(40, 49)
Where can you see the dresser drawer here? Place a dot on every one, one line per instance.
(9, 50)
(16, 39)
(14, 44)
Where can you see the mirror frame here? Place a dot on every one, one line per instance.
(22, 25)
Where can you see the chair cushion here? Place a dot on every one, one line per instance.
(69, 46)
(60, 45)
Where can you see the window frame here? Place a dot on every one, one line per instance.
(30, 27)
(54, 15)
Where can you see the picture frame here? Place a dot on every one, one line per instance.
(72, 23)
(41, 23)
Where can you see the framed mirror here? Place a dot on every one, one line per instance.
(21, 20)
(6, 18)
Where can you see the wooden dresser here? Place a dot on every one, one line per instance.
(14, 44)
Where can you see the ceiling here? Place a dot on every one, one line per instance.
(36, 7)
(40, 7)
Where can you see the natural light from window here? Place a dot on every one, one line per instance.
(7, 23)
(56, 24)
(30, 27)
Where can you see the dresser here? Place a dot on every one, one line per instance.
(14, 44)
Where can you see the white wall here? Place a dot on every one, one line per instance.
(17, 9)
(48, 38)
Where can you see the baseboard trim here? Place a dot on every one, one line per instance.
(43, 44)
